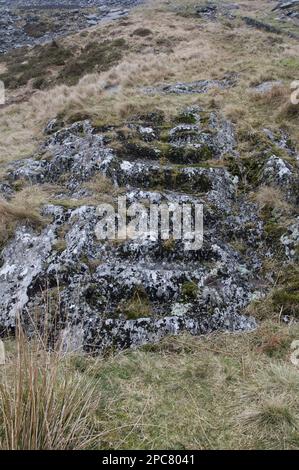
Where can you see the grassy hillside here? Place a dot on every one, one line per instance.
(174, 43)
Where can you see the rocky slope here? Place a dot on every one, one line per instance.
(29, 22)
(99, 295)
(130, 293)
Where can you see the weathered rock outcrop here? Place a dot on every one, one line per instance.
(101, 294)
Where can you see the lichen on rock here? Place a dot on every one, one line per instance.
(97, 288)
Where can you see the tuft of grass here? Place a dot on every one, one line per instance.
(270, 413)
(22, 209)
(138, 306)
(44, 405)
(190, 290)
(219, 391)
(103, 190)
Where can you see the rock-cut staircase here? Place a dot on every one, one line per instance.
(101, 294)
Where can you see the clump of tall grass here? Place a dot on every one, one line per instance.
(43, 404)
(23, 208)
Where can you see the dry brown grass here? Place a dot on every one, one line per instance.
(275, 97)
(272, 198)
(43, 404)
(21, 124)
(103, 190)
(222, 391)
(22, 209)
(289, 112)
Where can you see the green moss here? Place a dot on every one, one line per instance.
(286, 297)
(175, 178)
(189, 290)
(136, 148)
(185, 118)
(180, 181)
(248, 169)
(34, 64)
(186, 154)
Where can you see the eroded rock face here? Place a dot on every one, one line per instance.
(31, 22)
(23, 261)
(278, 172)
(128, 293)
(291, 241)
(75, 152)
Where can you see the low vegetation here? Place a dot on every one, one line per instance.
(103, 71)
(25, 64)
(45, 404)
(282, 300)
(137, 307)
(54, 63)
(223, 391)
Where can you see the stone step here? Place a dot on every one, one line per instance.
(142, 289)
(190, 180)
(98, 335)
(107, 286)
